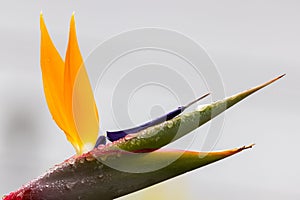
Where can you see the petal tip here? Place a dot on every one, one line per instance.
(42, 23)
(73, 18)
(72, 24)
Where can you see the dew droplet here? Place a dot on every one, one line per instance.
(128, 137)
(170, 124)
(138, 143)
(70, 185)
(100, 176)
(90, 158)
(71, 161)
(100, 146)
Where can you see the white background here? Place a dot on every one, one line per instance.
(250, 42)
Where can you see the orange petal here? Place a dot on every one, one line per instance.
(79, 98)
(52, 67)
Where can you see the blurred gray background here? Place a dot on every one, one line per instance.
(250, 42)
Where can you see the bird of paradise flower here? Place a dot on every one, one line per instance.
(70, 98)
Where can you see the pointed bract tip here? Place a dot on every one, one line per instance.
(247, 147)
(281, 76)
(275, 79)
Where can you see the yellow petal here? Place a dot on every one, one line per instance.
(79, 98)
(52, 67)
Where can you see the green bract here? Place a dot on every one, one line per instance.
(92, 175)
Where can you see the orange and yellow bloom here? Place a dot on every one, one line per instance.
(68, 91)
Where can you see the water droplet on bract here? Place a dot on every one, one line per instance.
(170, 124)
(100, 176)
(70, 185)
(100, 146)
(132, 142)
(20, 195)
(90, 158)
(71, 161)
(128, 137)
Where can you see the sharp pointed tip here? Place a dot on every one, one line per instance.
(247, 147)
(277, 78)
(42, 22)
(209, 93)
(196, 100)
(72, 21)
(281, 76)
(73, 17)
(267, 83)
